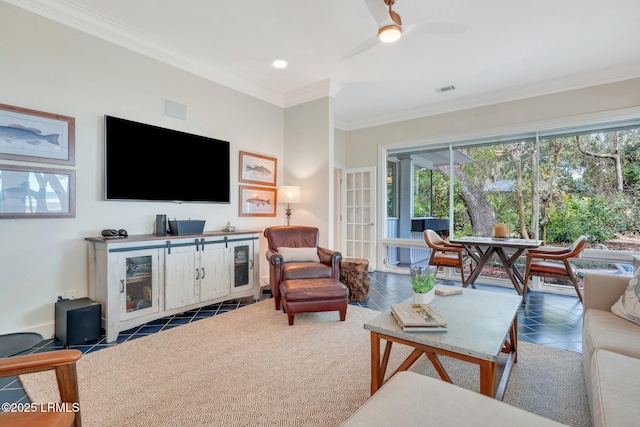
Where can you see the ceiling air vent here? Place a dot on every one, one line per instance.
(445, 89)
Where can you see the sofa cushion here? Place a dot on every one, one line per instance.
(299, 254)
(615, 383)
(305, 270)
(603, 329)
(411, 399)
(628, 305)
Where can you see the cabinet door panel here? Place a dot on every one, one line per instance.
(137, 272)
(241, 263)
(181, 277)
(214, 280)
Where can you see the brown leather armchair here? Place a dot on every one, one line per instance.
(297, 236)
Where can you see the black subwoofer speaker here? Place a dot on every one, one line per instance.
(77, 321)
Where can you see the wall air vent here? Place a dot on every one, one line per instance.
(445, 89)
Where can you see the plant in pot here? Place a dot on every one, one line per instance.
(423, 282)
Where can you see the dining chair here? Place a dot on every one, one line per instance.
(554, 263)
(64, 413)
(447, 254)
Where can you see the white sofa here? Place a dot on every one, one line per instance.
(410, 399)
(610, 354)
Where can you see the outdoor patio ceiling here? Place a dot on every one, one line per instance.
(431, 158)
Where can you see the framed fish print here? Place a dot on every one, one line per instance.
(257, 169)
(28, 192)
(36, 136)
(257, 201)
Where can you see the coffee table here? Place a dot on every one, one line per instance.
(481, 326)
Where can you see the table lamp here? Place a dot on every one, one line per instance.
(289, 194)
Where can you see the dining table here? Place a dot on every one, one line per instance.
(481, 249)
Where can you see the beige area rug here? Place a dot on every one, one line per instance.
(249, 368)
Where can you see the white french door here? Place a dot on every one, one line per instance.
(359, 214)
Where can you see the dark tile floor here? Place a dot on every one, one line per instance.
(547, 319)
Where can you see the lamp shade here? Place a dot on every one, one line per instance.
(289, 194)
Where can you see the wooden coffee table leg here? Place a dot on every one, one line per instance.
(375, 362)
(438, 366)
(513, 336)
(511, 348)
(487, 377)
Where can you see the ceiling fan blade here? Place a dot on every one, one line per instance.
(436, 28)
(380, 12)
(363, 47)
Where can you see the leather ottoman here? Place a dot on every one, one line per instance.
(312, 295)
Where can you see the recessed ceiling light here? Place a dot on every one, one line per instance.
(279, 63)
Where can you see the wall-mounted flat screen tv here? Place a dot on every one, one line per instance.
(145, 162)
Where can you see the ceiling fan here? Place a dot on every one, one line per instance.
(390, 27)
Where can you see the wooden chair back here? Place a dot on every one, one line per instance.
(63, 362)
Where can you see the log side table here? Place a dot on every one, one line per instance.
(354, 274)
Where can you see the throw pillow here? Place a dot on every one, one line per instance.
(628, 305)
(299, 254)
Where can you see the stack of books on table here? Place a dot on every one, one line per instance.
(448, 290)
(418, 318)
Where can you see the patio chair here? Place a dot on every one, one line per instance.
(554, 263)
(63, 362)
(446, 254)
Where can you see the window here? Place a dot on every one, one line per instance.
(552, 185)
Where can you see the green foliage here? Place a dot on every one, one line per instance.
(423, 283)
(597, 217)
(422, 192)
(440, 204)
(583, 198)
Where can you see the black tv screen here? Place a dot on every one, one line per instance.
(145, 162)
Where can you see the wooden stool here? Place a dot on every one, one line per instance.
(312, 295)
(354, 273)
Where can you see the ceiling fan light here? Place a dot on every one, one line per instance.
(279, 64)
(390, 33)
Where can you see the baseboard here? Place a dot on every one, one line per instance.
(47, 330)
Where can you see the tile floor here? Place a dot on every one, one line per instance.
(547, 319)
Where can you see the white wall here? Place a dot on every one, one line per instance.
(596, 103)
(309, 159)
(48, 67)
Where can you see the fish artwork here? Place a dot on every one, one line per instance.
(258, 169)
(31, 136)
(258, 201)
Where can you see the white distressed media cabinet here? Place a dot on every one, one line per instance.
(142, 278)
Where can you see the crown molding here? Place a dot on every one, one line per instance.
(90, 23)
(312, 92)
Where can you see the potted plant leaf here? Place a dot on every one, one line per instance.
(423, 282)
